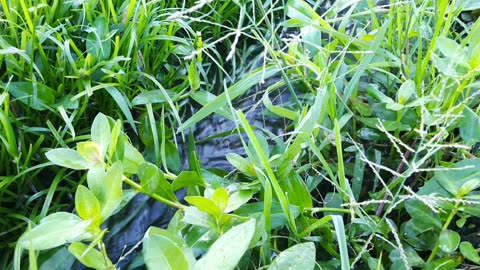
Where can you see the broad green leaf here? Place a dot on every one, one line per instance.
(468, 187)
(204, 97)
(95, 179)
(469, 127)
(469, 252)
(196, 217)
(86, 204)
(226, 252)
(422, 215)
(406, 92)
(234, 91)
(451, 49)
(449, 241)
(100, 133)
(153, 180)
(277, 215)
(152, 96)
(297, 191)
(55, 230)
(149, 176)
(98, 42)
(112, 194)
(164, 250)
(187, 179)
(204, 205)
(176, 224)
(172, 157)
(300, 256)
(372, 90)
(68, 158)
(35, 95)
(452, 180)
(373, 122)
(413, 258)
(467, 5)
(91, 152)
(91, 258)
(131, 159)
(220, 198)
(307, 123)
(199, 239)
(241, 164)
(145, 130)
(237, 199)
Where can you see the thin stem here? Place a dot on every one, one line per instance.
(155, 196)
(445, 226)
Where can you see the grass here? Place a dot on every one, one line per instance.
(377, 168)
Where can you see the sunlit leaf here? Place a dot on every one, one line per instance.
(164, 250)
(226, 252)
(152, 96)
(220, 198)
(67, 158)
(196, 217)
(55, 230)
(238, 199)
(204, 205)
(86, 204)
(100, 133)
(91, 152)
(92, 258)
(132, 158)
(186, 179)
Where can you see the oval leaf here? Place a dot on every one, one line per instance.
(449, 241)
(163, 250)
(67, 158)
(55, 230)
(86, 204)
(91, 258)
(469, 252)
(220, 198)
(226, 252)
(301, 256)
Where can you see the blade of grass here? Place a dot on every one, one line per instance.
(362, 67)
(342, 241)
(270, 175)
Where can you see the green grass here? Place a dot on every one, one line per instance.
(377, 169)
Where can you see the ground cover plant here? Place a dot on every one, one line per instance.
(376, 166)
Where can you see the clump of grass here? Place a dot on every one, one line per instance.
(377, 169)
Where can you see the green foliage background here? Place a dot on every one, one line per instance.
(378, 166)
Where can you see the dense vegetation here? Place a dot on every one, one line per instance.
(377, 166)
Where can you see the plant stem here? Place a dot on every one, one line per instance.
(155, 196)
(445, 226)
